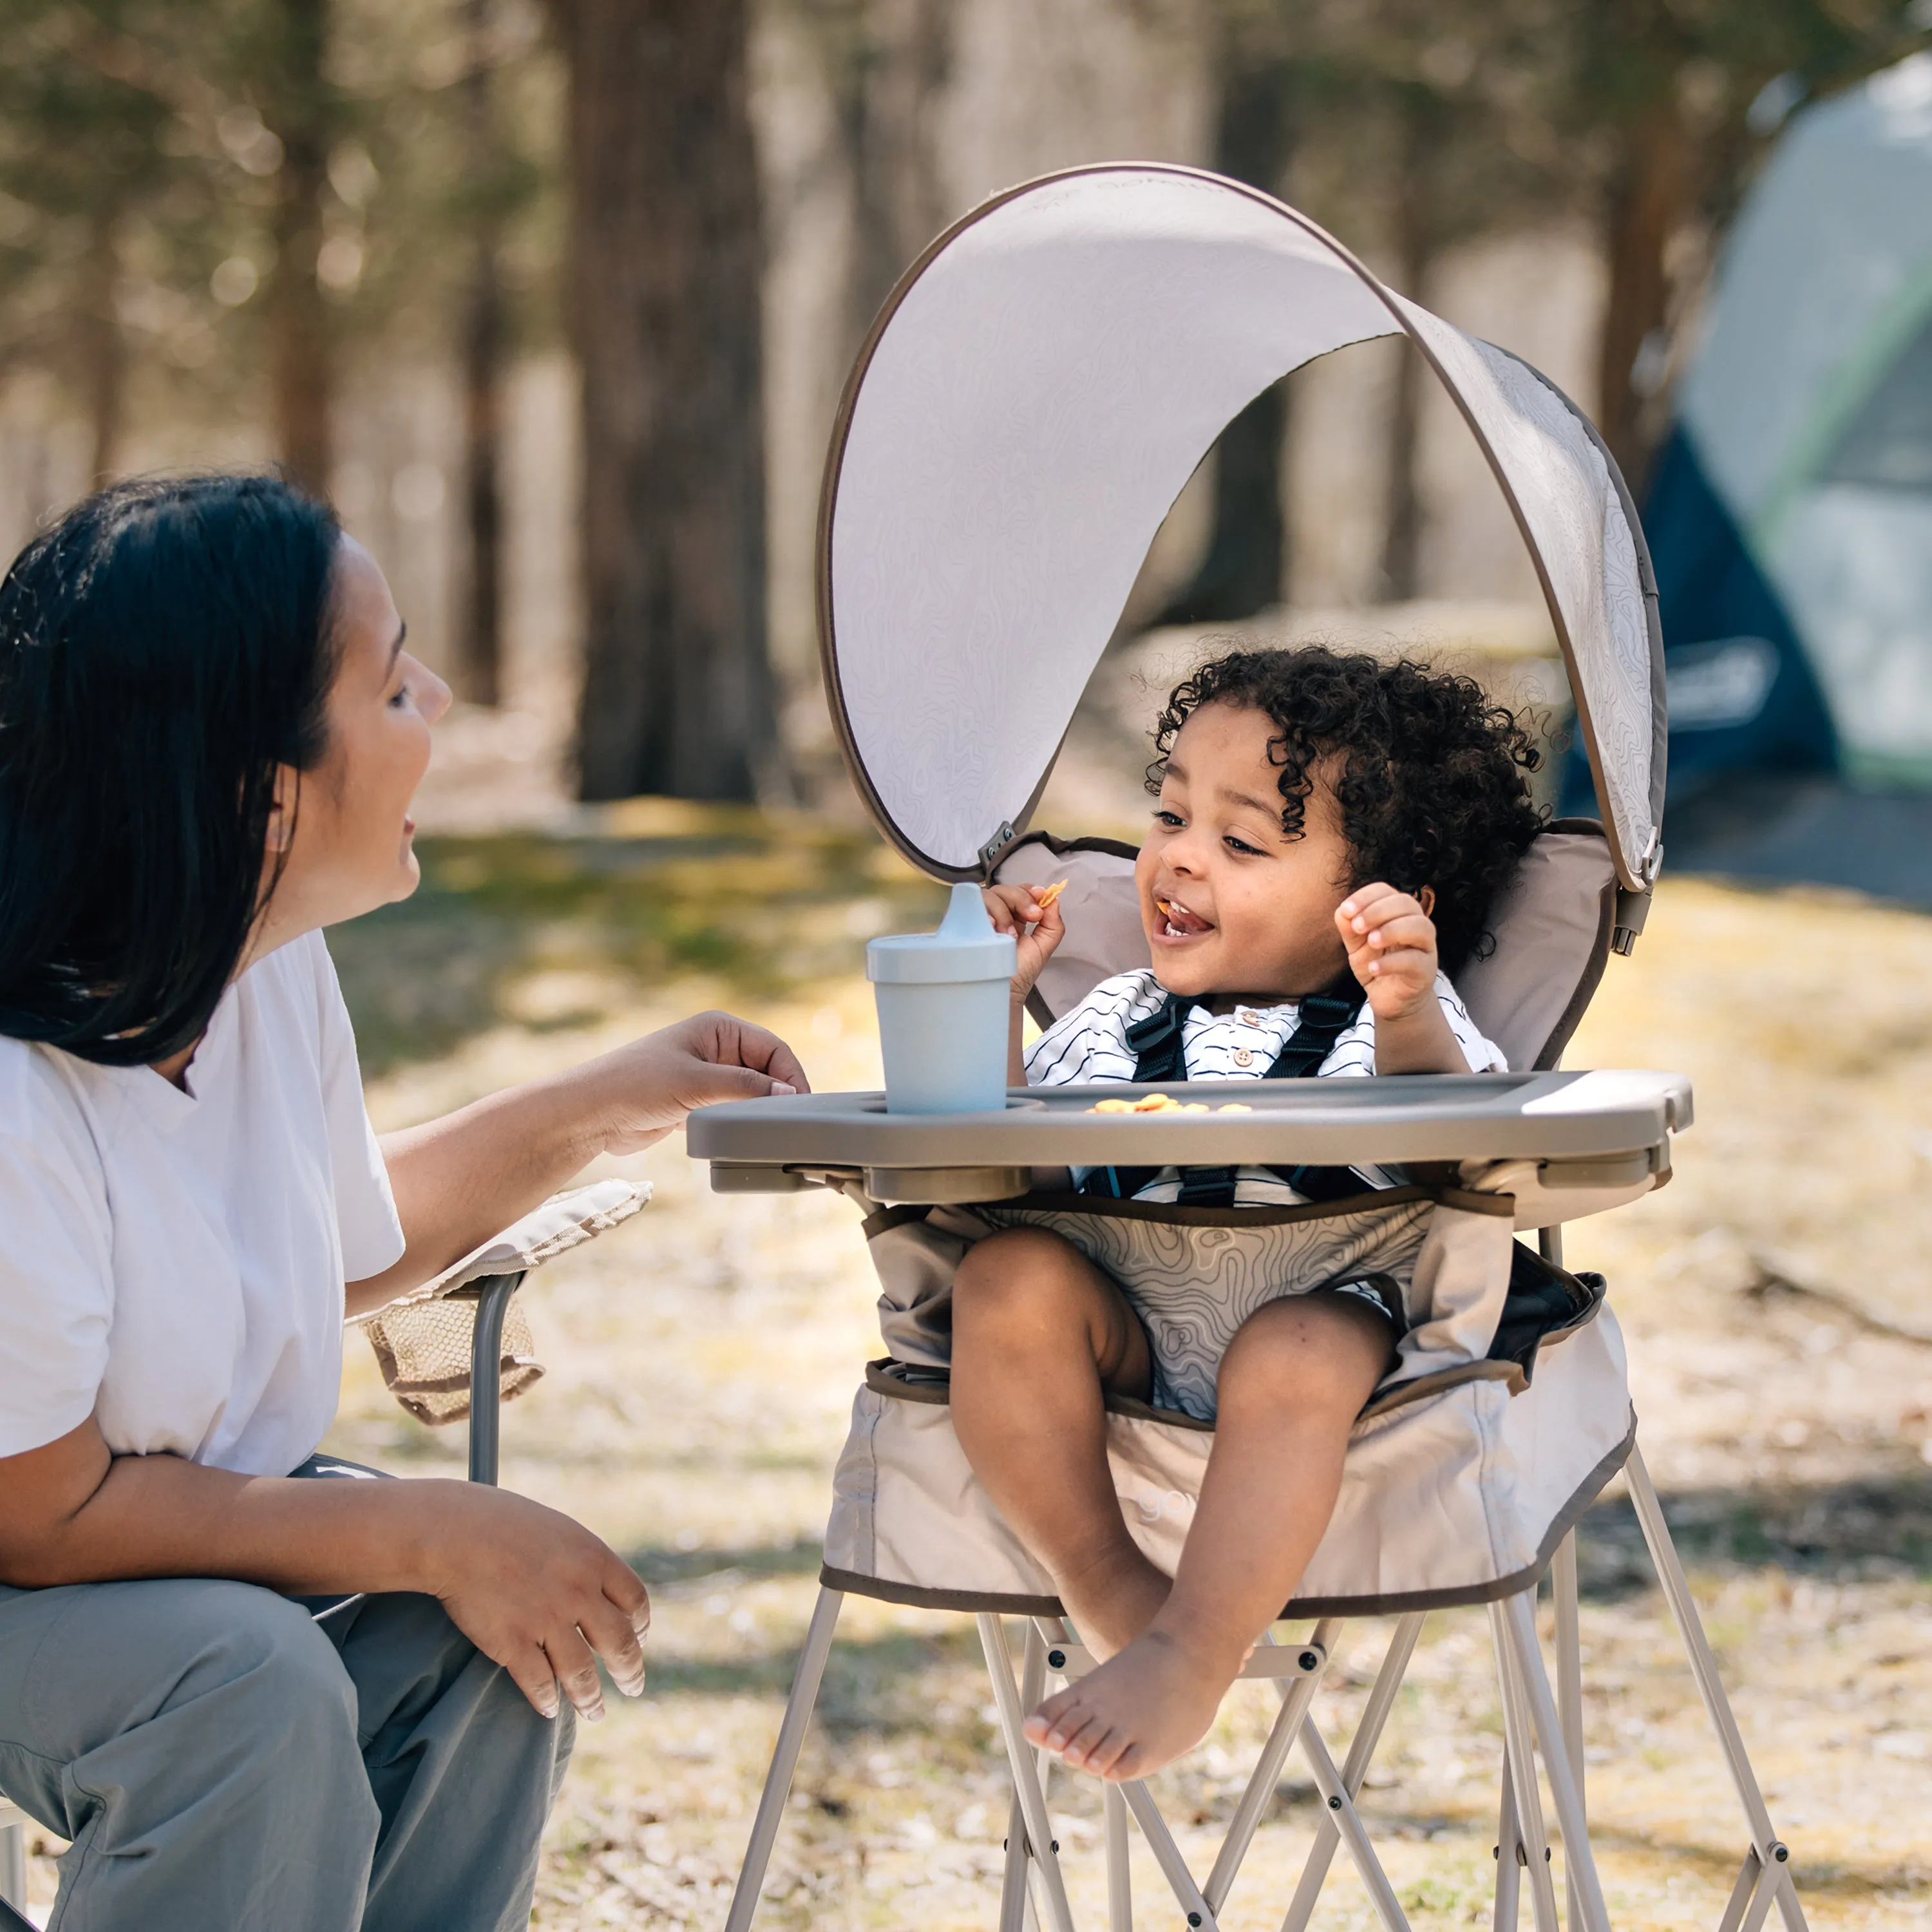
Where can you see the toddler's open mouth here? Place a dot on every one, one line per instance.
(1179, 922)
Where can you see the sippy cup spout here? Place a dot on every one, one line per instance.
(966, 914)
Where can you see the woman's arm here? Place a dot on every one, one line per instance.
(461, 1179)
(530, 1588)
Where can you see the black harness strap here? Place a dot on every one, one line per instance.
(1160, 1053)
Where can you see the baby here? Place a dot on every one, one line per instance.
(1328, 824)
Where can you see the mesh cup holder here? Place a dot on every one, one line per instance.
(423, 1350)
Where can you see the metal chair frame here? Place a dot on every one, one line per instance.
(1540, 1728)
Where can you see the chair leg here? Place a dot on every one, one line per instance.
(1354, 1769)
(1297, 1694)
(1198, 1913)
(784, 1759)
(1510, 1856)
(1354, 1834)
(1519, 1620)
(12, 1864)
(1014, 1881)
(1519, 1739)
(1119, 1878)
(1563, 1589)
(1772, 1858)
(486, 1374)
(1026, 1772)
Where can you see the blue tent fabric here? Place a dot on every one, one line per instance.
(1743, 697)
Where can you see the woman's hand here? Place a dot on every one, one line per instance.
(648, 1087)
(458, 1180)
(1038, 927)
(537, 1593)
(533, 1590)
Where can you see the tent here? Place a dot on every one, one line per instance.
(1790, 516)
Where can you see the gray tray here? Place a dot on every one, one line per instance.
(1592, 1128)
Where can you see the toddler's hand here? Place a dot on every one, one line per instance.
(1391, 942)
(1038, 927)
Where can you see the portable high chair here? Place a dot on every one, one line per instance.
(1039, 386)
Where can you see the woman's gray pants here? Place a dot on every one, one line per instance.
(219, 1759)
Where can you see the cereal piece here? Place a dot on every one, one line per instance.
(1045, 896)
(1194, 1107)
(1156, 1103)
(1234, 1107)
(1112, 1107)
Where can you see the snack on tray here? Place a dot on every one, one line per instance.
(1164, 1103)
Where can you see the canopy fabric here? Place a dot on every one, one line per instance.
(1808, 412)
(1039, 388)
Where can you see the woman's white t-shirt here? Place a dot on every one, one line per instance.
(172, 1263)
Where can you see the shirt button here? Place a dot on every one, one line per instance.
(1243, 1057)
(1250, 1018)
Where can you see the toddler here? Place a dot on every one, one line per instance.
(1331, 833)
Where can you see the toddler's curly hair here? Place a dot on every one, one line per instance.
(1429, 774)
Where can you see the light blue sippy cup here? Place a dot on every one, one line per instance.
(944, 1010)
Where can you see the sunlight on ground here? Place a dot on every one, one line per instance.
(702, 1360)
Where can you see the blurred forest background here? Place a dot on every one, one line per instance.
(555, 300)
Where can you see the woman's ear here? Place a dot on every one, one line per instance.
(1426, 898)
(282, 812)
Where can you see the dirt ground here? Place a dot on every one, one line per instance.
(702, 1360)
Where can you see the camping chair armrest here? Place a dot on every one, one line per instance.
(494, 1272)
(564, 1222)
(429, 1384)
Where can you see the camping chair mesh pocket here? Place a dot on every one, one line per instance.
(423, 1349)
(425, 1345)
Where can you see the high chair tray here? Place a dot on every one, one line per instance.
(1601, 1129)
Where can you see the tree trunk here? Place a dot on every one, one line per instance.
(894, 71)
(1244, 568)
(664, 299)
(299, 324)
(104, 348)
(1650, 197)
(480, 605)
(1401, 571)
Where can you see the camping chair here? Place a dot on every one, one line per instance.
(1038, 387)
(443, 1354)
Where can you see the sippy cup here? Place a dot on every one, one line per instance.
(944, 1011)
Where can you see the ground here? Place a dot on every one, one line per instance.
(701, 1361)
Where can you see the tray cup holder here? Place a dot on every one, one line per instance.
(938, 1186)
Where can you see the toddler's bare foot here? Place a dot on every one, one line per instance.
(1111, 1603)
(1135, 1713)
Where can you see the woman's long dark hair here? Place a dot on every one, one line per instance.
(163, 647)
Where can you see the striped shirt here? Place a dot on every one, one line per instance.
(1090, 1043)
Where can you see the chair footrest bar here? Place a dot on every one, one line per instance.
(1073, 1660)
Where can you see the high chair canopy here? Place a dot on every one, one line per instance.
(1036, 391)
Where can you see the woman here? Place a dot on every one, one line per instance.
(210, 733)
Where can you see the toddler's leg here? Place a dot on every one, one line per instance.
(1039, 1333)
(1289, 1390)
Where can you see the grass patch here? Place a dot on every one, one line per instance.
(760, 905)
